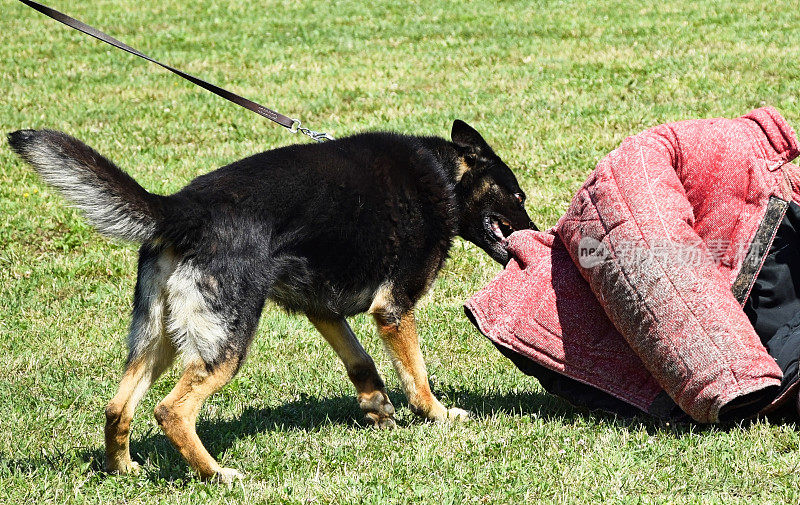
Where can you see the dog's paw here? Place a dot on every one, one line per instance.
(458, 414)
(378, 409)
(226, 476)
(124, 467)
(443, 415)
(381, 423)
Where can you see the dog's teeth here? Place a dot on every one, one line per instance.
(497, 231)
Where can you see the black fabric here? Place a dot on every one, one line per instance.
(774, 302)
(776, 210)
(583, 395)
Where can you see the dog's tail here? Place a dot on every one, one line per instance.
(111, 199)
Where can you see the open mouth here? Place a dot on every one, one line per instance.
(500, 227)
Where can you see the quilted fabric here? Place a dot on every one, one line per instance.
(631, 292)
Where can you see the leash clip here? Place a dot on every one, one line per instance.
(297, 126)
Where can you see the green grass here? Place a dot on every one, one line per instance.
(553, 85)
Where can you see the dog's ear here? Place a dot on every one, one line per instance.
(464, 135)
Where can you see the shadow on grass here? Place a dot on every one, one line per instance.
(310, 414)
(552, 408)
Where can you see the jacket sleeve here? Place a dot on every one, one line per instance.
(630, 231)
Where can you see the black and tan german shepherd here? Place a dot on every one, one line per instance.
(359, 224)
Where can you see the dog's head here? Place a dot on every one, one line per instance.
(491, 203)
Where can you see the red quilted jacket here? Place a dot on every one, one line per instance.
(635, 296)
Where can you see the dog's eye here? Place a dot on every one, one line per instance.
(520, 198)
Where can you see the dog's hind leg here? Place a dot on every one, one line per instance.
(177, 414)
(151, 352)
(211, 319)
(372, 397)
(140, 373)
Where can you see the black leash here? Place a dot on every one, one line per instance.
(293, 125)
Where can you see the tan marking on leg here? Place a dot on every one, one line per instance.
(139, 376)
(372, 397)
(402, 345)
(177, 415)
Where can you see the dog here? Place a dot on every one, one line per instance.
(330, 230)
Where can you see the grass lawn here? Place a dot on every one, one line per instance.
(553, 85)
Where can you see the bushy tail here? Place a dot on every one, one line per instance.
(111, 199)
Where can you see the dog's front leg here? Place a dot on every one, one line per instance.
(399, 334)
